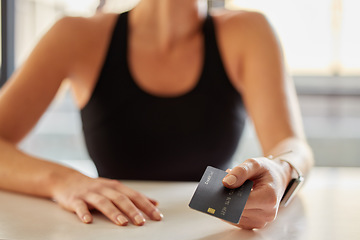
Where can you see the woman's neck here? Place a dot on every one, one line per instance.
(165, 22)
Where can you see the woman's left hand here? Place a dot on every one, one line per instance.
(270, 180)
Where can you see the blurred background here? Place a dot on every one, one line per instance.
(321, 44)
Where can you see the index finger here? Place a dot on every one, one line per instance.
(81, 209)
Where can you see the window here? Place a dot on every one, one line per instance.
(319, 37)
(320, 40)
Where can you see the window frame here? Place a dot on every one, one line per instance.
(7, 39)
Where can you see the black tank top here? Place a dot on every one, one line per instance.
(131, 134)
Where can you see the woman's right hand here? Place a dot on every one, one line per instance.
(80, 194)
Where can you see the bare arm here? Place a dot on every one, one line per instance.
(271, 102)
(271, 99)
(23, 100)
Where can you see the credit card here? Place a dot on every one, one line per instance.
(211, 197)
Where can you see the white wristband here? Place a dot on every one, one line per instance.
(294, 184)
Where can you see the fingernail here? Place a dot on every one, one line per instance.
(139, 220)
(122, 220)
(157, 215)
(87, 219)
(230, 180)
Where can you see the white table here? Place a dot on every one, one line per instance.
(327, 208)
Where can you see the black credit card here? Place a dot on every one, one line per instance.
(211, 197)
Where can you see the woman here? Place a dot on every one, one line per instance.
(161, 91)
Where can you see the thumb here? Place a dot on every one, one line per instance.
(239, 174)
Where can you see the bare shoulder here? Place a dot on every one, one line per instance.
(101, 21)
(242, 36)
(83, 30)
(239, 18)
(85, 41)
(241, 24)
(70, 37)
